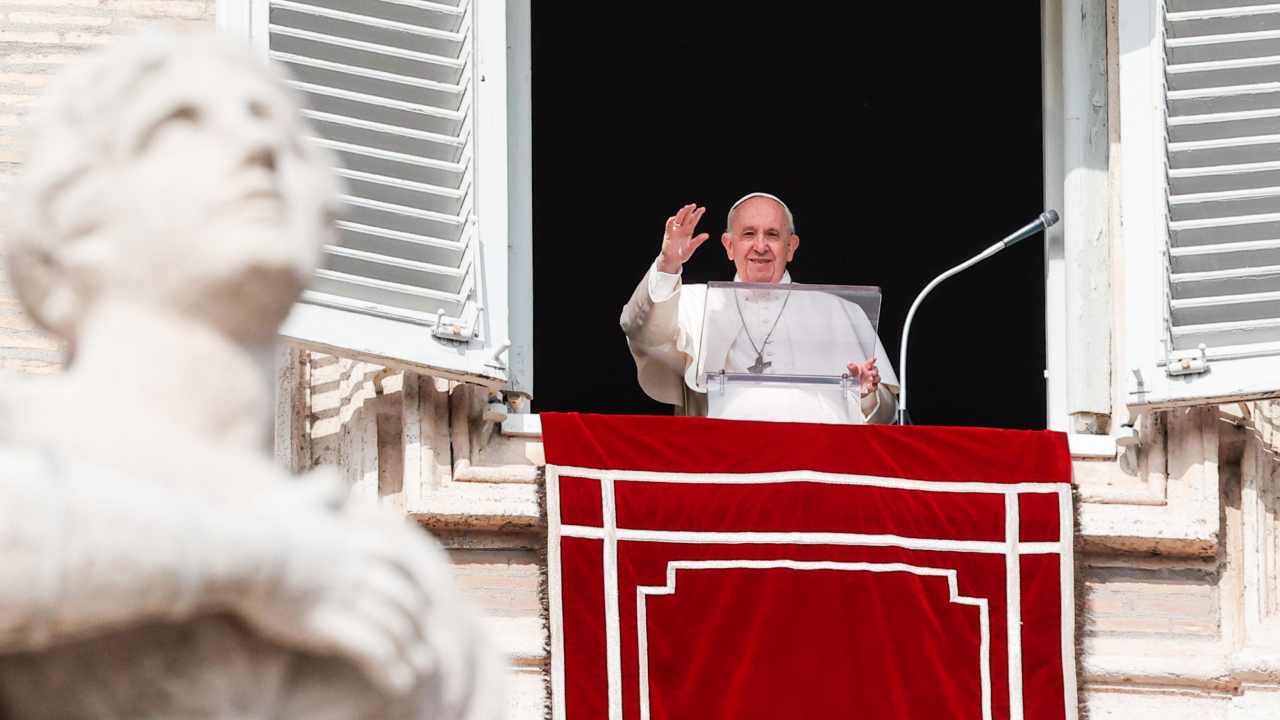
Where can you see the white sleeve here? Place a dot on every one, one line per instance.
(662, 285)
(880, 406)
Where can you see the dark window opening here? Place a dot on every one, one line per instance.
(904, 138)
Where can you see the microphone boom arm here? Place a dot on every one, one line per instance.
(1046, 220)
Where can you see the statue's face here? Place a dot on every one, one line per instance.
(760, 243)
(216, 207)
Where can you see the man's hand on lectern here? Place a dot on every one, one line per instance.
(678, 240)
(867, 374)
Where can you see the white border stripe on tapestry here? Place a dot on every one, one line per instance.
(700, 537)
(612, 621)
(642, 644)
(1013, 604)
(555, 593)
(1066, 580)
(811, 476)
(953, 591)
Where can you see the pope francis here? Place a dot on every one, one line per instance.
(790, 331)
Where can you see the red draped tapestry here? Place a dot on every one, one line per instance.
(724, 569)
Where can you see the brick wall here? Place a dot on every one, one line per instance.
(37, 39)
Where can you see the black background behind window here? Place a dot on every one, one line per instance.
(904, 138)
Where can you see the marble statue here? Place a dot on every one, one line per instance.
(154, 561)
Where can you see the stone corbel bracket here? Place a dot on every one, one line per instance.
(1161, 497)
(419, 444)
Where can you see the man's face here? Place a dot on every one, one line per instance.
(760, 243)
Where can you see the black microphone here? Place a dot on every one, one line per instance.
(1047, 219)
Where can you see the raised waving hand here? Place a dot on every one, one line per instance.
(678, 240)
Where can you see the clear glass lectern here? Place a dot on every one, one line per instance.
(781, 352)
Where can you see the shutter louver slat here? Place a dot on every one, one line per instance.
(384, 292)
(1229, 334)
(300, 62)
(1229, 256)
(410, 246)
(438, 15)
(349, 51)
(1222, 61)
(379, 105)
(426, 26)
(330, 119)
(400, 270)
(390, 184)
(387, 89)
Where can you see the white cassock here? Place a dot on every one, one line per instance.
(816, 334)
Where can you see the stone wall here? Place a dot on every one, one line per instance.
(37, 39)
(1191, 629)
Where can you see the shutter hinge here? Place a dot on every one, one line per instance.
(1187, 362)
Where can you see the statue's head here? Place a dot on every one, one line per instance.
(170, 171)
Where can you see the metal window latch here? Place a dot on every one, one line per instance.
(1187, 362)
(457, 329)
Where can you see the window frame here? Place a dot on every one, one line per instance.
(1081, 381)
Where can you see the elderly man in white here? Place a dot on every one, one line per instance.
(663, 320)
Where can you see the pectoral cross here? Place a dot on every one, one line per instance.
(759, 366)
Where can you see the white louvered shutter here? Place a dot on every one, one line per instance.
(413, 98)
(1221, 184)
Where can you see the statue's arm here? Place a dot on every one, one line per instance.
(87, 551)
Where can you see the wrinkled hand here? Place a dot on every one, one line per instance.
(868, 376)
(678, 240)
(369, 587)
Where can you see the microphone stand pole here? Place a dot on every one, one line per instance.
(1044, 222)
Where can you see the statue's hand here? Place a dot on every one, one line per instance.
(369, 587)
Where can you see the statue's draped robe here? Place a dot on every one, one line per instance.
(210, 667)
